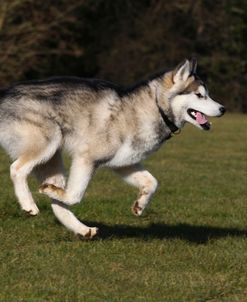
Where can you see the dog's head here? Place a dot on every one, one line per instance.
(188, 96)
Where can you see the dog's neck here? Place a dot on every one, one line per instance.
(169, 123)
(154, 97)
(165, 111)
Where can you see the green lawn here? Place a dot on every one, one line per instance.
(190, 245)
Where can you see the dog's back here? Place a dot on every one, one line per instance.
(32, 107)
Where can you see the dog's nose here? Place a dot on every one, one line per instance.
(222, 110)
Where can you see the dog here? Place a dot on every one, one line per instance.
(99, 124)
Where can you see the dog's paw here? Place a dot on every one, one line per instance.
(136, 209)
(91, 233)
(52, 191)
(33, 210)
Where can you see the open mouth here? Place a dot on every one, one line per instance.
(200, 118)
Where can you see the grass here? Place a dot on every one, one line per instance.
(190, 245)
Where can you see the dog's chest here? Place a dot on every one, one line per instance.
(131, 152)
(138, 146)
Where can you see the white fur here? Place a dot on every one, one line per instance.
(68, 219)
(19, 173)
(183, 73)
(63, 214)
(202, 91)
(119, 132)
(181, 103)
(125, 156)
(80, 175)
(140, 178)
(180, 77)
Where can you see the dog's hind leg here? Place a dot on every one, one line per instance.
(19, 171)
(52, 173)
(138, 177)
(33, 155)
(81, 172)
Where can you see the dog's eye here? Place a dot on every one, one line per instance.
(199, 95)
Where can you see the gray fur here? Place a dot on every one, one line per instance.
(71, 107)
(99, 124)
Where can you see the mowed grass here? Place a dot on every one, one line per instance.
(190, 245)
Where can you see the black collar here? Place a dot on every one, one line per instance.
(173, 128)
(167, 121)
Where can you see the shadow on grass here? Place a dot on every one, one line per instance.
(192, 233)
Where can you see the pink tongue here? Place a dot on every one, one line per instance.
(200, 118)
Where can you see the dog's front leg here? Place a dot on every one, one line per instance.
(80, 174)
(137, 176)
(52, 173)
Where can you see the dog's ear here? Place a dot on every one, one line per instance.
(182, 71)
(193, 65)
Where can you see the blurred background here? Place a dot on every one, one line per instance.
(125, 40)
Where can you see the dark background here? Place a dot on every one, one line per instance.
(124, 41)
